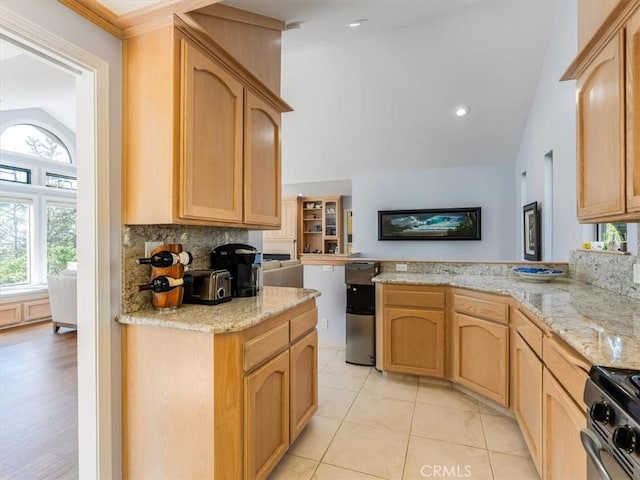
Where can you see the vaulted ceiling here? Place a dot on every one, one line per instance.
(408, 66)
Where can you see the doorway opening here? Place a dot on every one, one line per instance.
(93, 235)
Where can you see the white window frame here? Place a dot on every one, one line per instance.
(40, 197)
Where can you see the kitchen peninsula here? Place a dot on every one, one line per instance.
(218, 391)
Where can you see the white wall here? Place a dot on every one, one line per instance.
(59, 20)
(332, 304)
(490, 187)
(552, 126)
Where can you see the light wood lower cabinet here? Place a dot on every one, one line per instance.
(563, 454)
(414, 341)
(481, 356)
(412, 322)
(199, 405)
(304, 382)
(266, 415)
(526, 401)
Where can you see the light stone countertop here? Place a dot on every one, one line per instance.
(601, 325)
(233, 316)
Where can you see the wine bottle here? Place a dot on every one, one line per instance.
(165, 259)
(162, 284)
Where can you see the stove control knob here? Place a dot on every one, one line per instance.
(600, 412)
(624, 438)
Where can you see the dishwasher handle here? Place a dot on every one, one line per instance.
(593, 447)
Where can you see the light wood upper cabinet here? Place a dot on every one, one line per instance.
(633, 112)
(261, 163)
(320, 225)
(201, 137)
(211, 140)
(607, 73)
(600, 136)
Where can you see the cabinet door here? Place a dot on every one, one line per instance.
(564, 456)
(261, 163)
(527, 396)
(289, 221)
(601, 136)
(304, 382)
(480, 356)
(633, 113)
(266, 416)
(210, 183)
(414, 341)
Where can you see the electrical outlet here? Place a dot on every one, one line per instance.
(401, 267)
(636, 273)
(327, 268)
(150, 246)
(324, 323)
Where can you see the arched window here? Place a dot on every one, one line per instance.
(37, 205)
(34, 141)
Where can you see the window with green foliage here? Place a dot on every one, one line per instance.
(61, 237)
(15, 242)
(37, 206)
(615, 231)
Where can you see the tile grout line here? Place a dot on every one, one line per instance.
(484, 434)
(413, 414)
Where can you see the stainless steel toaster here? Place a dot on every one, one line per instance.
(208, 287)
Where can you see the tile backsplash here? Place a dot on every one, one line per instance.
(197, 240)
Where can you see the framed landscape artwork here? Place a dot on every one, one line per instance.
(431, 224)
(531, 222)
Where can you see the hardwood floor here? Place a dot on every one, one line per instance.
(38, 403)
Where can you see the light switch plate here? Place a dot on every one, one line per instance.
(401, 267)
(324, 323)
(636, 273)
(327, 268)
(149, 246)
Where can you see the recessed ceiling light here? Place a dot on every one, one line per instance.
(356, 23)
(462, 110)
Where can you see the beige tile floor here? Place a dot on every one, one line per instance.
(372, 426)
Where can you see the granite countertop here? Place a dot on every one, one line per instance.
(601, 325)
(233, 316)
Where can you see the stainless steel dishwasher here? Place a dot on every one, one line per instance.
(361, 312)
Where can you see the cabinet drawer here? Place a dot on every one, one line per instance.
(568, 367)
(303, 323)
(259, 349)
(478, 307)
(401, 296)
(531, 334)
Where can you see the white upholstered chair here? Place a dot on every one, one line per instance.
(63, 299)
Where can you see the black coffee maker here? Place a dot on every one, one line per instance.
(239, 260)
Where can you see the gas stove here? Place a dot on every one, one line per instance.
(612, 439)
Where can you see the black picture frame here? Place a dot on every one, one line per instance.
(531, 231)
(430, 224)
